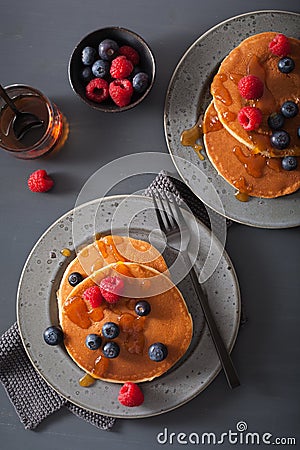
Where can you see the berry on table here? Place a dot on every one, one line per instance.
(289, 163)
(250, 118)
(111, 350)
(108, 49)
(276, 121)
(280, 139)
(75, 278)
(142, 308)
(289, 109)
(157, 352)
(121, 67)
(130, 54)
(121, 92)
(280, 45)
(97, 90)
(93, 296)
(93, 341)
(251, 87)
(140, 82)
(88, 55)
(111, 288)
(53, 335)
(130, 395)
(100, 68)
(286, 65)
(40, 181)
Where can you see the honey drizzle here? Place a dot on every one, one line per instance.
(87, 380)
(190, 138)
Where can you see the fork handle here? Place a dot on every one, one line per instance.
(222, 351)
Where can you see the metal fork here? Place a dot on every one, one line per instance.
(178, 239)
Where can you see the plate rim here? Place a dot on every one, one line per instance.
(165, 115)
(213, 374)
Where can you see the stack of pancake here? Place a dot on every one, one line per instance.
(138, 264)
(246, 159)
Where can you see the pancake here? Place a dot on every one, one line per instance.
(168, 322)
(253, 57)
(107, 250)
(253, 174)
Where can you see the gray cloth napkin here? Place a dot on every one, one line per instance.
(32, 397)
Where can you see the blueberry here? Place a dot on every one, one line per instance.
(289, 163)
(111, 350)
(280, 139)
(93, 341)
(298, 132)
(289, 109)
(286, 65)
(142, 308)
(75, 278)
(157, 352)
(108, 49)
(53, 336)
(100, 68)
(110, 330)
(87, 74)
(140, 82)
(276, 121)
(88, 56)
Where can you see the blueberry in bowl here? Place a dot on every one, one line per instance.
(119, 57)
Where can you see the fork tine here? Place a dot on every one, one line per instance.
(179, 214)
(164, 213)
(172, 219)
(158, 214)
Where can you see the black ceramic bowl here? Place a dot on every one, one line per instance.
(123, 37)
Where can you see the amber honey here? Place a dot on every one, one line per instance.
(38, 141)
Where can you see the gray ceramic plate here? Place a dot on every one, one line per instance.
(188, 96)
(37, 309)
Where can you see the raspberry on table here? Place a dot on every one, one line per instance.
(93, 296)
(280, 45)
(130, 395)
(121, 67)
(40, 181)
(97, 90)
(121, 92)
(251, 87)
(250, 118)
(130, 54)
(111, 288)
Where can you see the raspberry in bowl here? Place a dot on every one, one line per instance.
(112, 69)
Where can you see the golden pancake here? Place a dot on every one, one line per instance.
(107, 250)
(253, 57)
(253, 174)
(168, 322)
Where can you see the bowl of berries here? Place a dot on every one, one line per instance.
(112, 69)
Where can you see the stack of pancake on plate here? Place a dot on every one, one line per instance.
(145, 277)
(247, 159)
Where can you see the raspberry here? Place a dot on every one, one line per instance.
(280, 45)
(250, 118)
(251, 87)
(93, 296)
(130, 395)
(121, 92)
(130, 54)
(97, 90)
(111, 288)
(39, 181)
(121, 67)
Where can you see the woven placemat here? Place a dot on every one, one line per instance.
(32, 397)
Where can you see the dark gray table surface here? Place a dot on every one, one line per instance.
(36, 40)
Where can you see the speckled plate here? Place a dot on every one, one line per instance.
(187, 98)
(37, 309)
